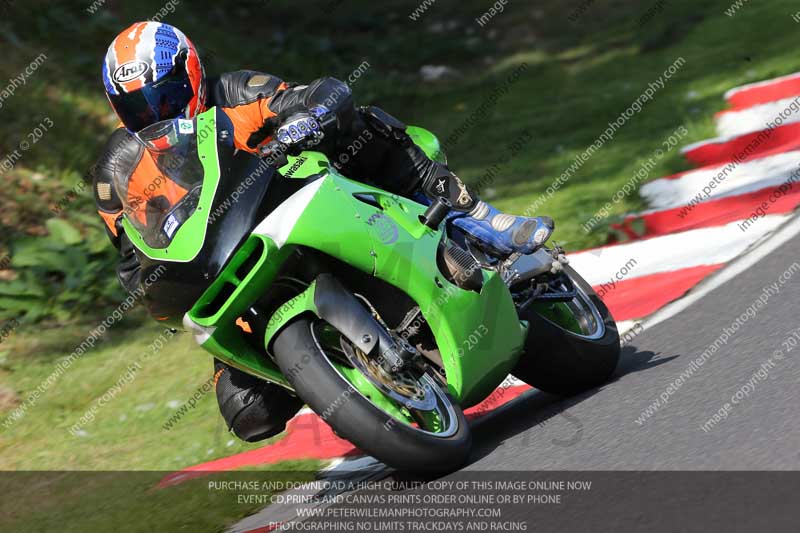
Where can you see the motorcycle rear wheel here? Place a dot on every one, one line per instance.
(571, 347)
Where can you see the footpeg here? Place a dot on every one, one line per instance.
(521, 268)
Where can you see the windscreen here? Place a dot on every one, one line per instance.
(164, 190)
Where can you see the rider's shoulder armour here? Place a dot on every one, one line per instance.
(119, 158)
(243, 87)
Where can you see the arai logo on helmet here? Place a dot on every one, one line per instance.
(130, 71)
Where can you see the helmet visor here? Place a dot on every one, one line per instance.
(165, 99)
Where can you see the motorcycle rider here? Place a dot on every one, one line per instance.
(152, 72)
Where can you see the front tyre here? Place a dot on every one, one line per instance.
(571, 346)
(311, 364)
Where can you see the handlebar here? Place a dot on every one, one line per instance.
(299, 132)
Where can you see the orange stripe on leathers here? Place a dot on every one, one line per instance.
(110, 219)
(248, 118)
(146, 183)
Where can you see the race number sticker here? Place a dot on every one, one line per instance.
(185, 126)
(170, 226)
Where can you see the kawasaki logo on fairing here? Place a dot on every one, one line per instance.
(295, 167)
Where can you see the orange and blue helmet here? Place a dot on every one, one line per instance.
(152, 73)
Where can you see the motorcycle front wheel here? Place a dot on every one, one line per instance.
(408, 422)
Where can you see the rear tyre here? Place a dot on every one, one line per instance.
(353, 416)
(570, 347)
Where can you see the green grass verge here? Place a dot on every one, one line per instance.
(77, 502)
(120, 456)
(568, 95)
(127, 432)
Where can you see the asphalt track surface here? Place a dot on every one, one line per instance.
(598, 430)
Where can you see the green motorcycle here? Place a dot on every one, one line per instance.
(373, 309)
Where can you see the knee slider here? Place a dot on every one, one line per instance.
(253, 409)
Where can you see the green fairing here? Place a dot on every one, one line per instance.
(227, 342)
(190, 237)
(478, 334)
(300, 304)
(362, 235)
(304, 166)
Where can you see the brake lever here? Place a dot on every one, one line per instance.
(274, 153)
